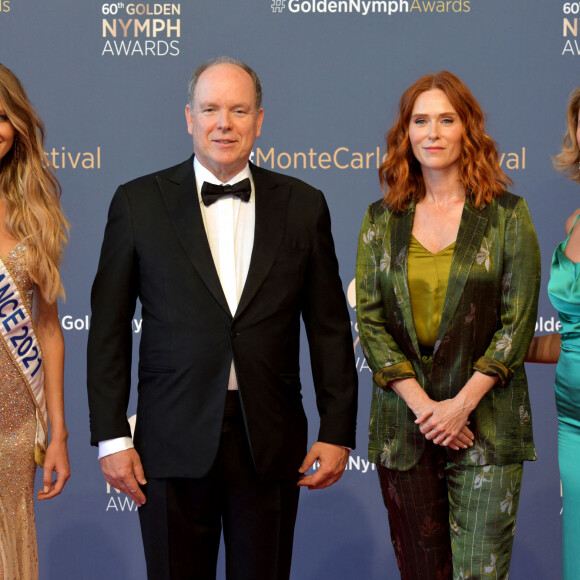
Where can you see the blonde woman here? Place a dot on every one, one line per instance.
(564, 293)
(32, 233)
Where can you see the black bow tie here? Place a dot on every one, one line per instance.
(210, 193)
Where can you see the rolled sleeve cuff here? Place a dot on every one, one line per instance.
(401, 370)
(493, 368)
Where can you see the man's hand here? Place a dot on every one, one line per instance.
(123, 470)
(332, 460)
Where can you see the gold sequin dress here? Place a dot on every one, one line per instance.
(18, 552)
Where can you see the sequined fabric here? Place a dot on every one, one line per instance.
(18, 552)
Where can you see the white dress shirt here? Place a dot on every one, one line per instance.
(229, 225)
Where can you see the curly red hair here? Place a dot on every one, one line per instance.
(480, 172)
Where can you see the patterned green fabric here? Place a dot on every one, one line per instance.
(483, 504)
(488, 321)
(450, 521)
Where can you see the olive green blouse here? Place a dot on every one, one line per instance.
(428, 275)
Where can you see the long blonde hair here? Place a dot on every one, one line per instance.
(567, 160)
(31, 191)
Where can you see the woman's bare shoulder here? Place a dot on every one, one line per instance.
(570, 221)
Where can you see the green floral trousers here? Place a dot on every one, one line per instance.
(449, 521)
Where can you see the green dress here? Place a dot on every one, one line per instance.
(564, 292)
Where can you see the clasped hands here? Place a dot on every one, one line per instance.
(446, 424)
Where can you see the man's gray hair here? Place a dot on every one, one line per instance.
(223, 60)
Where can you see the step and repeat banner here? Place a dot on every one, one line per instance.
(109, 80)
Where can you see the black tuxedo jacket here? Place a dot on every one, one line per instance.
(155, 248)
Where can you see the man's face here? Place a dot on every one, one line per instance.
(223, 120)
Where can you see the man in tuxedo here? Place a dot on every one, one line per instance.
(223, 274)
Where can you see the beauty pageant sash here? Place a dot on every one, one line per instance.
(17, 332)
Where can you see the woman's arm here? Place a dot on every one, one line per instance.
(544, 349)
(52, 344)
(385, 358)
(379, 347)
(519, 297)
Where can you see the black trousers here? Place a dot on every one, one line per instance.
(182, 520)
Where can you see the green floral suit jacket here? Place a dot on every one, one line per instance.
(487, 323)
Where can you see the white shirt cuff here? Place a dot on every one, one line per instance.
(110, 446)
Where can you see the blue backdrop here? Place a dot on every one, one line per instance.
(109, 80)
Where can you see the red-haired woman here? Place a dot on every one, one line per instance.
(448, 275)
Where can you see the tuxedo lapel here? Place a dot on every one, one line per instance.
(469, 238)
(271, 203)
(400, 239)
(180, 196)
